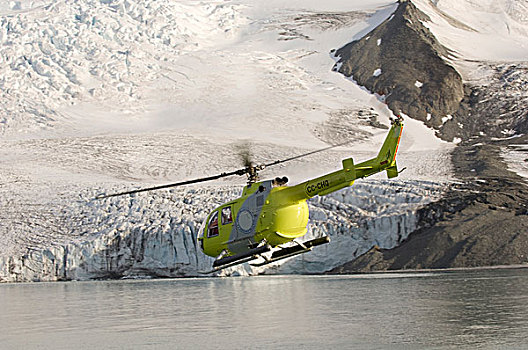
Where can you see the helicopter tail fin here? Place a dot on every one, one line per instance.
(386, 158)
(387, 155)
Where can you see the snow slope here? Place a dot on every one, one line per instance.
(490, 30)
(105, 95)
(484, 37)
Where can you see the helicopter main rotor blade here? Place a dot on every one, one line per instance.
(304, 155)
(188, 182)
(246, 170)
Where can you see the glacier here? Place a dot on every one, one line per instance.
(98, 96)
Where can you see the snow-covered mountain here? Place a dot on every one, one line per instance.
(105, 95)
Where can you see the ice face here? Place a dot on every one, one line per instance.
(158, 235)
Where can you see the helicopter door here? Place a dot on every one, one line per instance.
(247, 215)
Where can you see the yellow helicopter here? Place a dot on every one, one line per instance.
(270, 214)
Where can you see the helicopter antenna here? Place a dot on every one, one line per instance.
(250, 170)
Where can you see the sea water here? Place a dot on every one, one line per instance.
(476, 309)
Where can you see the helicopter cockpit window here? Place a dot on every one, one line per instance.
(212, 228)
(227, 217)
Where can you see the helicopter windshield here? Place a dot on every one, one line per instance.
(201, 230)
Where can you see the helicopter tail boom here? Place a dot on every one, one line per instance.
(384, 161)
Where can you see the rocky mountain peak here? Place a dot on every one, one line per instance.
(403, 62)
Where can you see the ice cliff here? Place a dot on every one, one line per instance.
(154, 236)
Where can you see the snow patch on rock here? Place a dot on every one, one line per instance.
(516, 156)
(446, 118)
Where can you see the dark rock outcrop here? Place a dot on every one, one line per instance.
(402, 60)
(482, 222)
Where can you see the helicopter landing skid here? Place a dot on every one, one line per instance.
(238, 259)
(300, 248)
